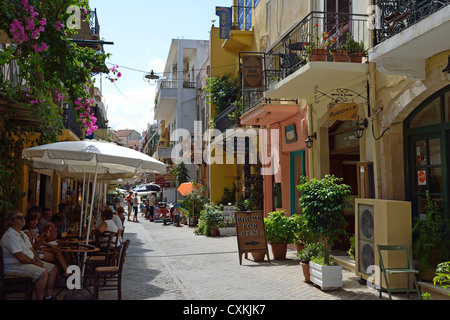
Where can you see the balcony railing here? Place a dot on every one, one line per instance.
(393, 16)
(70, 120)
(223, 122)
(292, 52)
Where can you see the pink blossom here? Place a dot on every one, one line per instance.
(40, 49)
(43, 22)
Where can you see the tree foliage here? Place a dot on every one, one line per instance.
(322, 202)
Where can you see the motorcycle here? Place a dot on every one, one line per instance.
(161, 213)
(176, 215)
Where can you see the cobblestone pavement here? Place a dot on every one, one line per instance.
(165, 262)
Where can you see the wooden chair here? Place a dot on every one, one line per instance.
(407, 270)
(14, 284)
(108, 249)
(110, 277)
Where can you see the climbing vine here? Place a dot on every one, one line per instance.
(51, 70)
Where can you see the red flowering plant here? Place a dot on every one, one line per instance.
(318, 40)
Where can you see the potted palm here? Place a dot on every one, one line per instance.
(280, 231)
(322, 203)
(310, 251)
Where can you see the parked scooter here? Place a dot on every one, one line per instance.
(176, 214)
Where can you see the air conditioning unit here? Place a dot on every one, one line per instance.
(385, 222)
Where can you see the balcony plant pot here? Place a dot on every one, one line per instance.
(326, 277)
(305, 269)
(319, 55)
(340, 56)
(355, 57)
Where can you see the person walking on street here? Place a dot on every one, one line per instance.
(129, 198)
(152, 204)
(135, 207)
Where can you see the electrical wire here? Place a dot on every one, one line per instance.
(162, 73)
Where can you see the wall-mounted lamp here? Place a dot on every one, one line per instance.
(151, 78)
(309, 141)
(446, 71)
(359, 130)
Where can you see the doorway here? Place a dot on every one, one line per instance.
(298, 169)
(344, 157)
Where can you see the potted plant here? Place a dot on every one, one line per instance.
(193, 203)
(322, 202)
(339, 53)
(302, 233)
(355, 50)
(431, 239)
(211, 217)
(280, 231)
(310, 251)
(317, 48)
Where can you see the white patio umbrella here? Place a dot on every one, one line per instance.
(107, 161)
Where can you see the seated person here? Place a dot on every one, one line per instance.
(20, 259)
(46, 251)
(45, 224)
(107, 224)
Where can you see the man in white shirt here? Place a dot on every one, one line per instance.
(20, 259)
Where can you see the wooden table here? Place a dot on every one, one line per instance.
(71, 242)
(74, 253)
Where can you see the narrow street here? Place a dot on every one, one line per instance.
(165, 262)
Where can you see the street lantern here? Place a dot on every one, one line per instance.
(151, 78)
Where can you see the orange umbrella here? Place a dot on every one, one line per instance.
(188, 187)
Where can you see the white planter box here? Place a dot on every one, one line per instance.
(231, 231)
(326, 277)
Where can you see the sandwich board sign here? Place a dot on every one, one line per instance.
(250, 233)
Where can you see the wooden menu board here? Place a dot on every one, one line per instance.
(250, 233)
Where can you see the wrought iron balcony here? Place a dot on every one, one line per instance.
(223, 122)
(394, 16)
(70, 120)
(294, 50)
(318, 29)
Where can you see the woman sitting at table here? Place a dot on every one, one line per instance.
(46, 251)
(107, 224)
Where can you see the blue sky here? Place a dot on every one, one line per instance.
(142, 31)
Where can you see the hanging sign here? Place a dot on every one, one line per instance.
(422, 178)
(343, 111)
(225, 21)
(252, 72)
(250, 233)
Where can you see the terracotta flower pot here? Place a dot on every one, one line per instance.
(355, 57)
(279, 250)
(214, 232)
(258, 255)
(340, 56)
(319, 55)
(305, 268)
